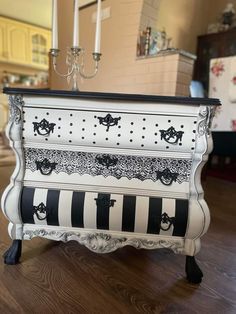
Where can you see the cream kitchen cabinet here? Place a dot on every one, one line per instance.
(24, 44)
(17, 43)
(3, 42)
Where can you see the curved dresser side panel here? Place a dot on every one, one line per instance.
(204, 146)
(10, 201)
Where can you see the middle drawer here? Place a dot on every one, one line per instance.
(123, 171)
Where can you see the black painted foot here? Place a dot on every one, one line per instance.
(13, 254)
(194, 273)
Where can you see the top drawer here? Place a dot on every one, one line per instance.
(115, 129)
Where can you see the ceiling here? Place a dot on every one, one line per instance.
(36, 12)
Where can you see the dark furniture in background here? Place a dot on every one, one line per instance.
(210, 46)
(225, 151)
(224, 144)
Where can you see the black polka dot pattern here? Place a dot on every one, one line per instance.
(134, 131)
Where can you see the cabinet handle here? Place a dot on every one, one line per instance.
(107, 161)
(168, 221)
(166, 176)
(108, 121)
(171, 136)
(39, 210)
(44, 127)
(104, 201)
(45, 167)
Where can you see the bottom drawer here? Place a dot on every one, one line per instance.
(116, 212)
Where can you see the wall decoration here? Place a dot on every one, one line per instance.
(233, 125)
(233, 80)
(217, 68)
(222, 84)
(151, 42)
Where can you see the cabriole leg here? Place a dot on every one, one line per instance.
(13, 254)
(194, 273)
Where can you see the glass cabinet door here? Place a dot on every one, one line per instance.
(39, 49)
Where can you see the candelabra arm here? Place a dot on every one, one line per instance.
(83, 75)
(96, 58)
(61, 74)
(55, 53)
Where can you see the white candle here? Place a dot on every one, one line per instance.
(98, 28)
(54, 26)
(76, 24)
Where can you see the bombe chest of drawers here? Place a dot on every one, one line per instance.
(108, 170)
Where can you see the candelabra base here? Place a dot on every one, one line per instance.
(75, 89)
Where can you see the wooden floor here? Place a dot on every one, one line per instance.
(68, 278)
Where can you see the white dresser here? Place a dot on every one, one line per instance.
(108, 170)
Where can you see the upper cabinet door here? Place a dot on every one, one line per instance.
(39, 47)
(24, 44)
(3, 41)
(18, 43)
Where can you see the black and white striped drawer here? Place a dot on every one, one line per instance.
(110, 129)
(104, 211)
(129, 171)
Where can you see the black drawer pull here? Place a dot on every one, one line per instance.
(108, 121)
(104, 201)
(171, 136)
(44, 127)
(107, 161)
(41, 211)
(166, 176)
(166, 220)
(45, 167)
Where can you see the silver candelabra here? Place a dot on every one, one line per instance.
(75, 63)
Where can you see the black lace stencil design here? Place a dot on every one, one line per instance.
(118, 166)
